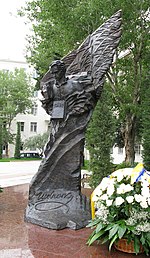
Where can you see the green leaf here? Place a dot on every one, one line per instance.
(148, 237)
(99, 227)
(142, 239)
(109, 227)
(96, 236)
(136, 245)
(121, 231)
(113, 231)
(105, 239)
(90, 237)
(93, 223)
(112, 241)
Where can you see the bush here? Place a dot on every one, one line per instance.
(124, 165)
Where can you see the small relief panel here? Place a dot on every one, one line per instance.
(58, 111)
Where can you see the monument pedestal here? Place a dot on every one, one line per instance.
(59, 209)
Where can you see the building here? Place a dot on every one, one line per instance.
(118, 154)
(37, 122)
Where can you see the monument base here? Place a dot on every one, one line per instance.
(58, 211)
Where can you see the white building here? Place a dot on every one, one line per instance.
(31, 124)
(118, 154)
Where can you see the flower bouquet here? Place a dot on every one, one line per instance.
(122, 210)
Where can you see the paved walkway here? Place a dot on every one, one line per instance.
(21, 172)
(17, 173)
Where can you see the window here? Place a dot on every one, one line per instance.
(22, 126)
(120, 150)
(34, 75)
(111, 150)
(34, 110)
(33, 127)
(137, 149)
(21, 147)
(48, 127)
(35, 93)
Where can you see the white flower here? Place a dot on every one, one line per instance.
(104, 197)
(145, 227)
(120, 189)
(124, 188)
(110, 190)
(102, 213)
(145, 191)
(119, 201)
(128, 188)
(95, 198)
(104, 183)
(109, 202)
(145, 183)
(138, 197)
(148, 200)
(129, 199)
(144, 204)
(119, 177)
(97, 191)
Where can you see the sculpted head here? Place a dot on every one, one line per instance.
(58, 69)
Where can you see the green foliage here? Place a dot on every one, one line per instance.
(60, 26)
(16, 91)
(18, 142)
(86, 165)
(1, 144)
(124, 165)
(37, 142)
(1, 190)
(146, 124)
(15, 97)
(100, 139)
(13, 159)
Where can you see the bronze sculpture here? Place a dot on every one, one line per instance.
(70, 89)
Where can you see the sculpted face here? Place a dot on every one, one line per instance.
(58, 70)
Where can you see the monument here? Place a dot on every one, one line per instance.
(70, 89)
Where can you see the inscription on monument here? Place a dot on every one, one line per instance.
(53, 201)
(58, 111)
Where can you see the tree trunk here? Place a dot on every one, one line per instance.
(129, 138)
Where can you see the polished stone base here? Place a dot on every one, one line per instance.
(19, 239)
(59, 209)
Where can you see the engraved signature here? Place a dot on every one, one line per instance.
(51, 205)
(65, 197)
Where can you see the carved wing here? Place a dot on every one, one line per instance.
(95, 55)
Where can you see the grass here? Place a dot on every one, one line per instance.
(86, 165)
(15, 160)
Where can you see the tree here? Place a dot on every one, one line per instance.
(100, 139)
(61, 26)
(15, 97)
(16, 92)
(145, 110)
(37, 142)
(18, 142)
(1, 145)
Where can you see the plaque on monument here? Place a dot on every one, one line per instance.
(58, 111)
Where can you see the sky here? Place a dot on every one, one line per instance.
(13, 31)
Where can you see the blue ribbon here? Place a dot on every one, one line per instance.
(141, 173)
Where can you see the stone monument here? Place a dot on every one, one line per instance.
(70, 89)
